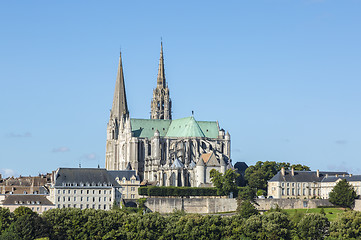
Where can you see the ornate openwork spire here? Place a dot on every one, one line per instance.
(161, 75)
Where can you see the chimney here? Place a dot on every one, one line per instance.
(292, 171)
(283, 171)
(326, 175)
(318, 173)
(350, 175)
(343, 175)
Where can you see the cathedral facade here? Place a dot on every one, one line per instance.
(162, 150)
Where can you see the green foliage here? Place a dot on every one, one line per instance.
(178, 191)
(313, 226)
(141, 203)
(258, 175)
(247, 209)
(246, 193)
(261, 192)
(5, 219)
(343, 194)
(225, 184)
(274, 225)
(347, 226)
(21, 211)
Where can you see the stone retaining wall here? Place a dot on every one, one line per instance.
(218, 204)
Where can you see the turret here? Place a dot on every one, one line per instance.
(200, 169)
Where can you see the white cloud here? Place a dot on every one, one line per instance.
(61, 149)
(6, 172)
(19, 135)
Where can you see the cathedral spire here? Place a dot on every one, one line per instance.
(161, 76)
(120, 107)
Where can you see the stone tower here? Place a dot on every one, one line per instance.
(118, 128)
(161, 105)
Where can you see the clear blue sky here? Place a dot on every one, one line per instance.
(283, 77)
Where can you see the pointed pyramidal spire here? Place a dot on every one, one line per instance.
(120, 106)
(161, 76)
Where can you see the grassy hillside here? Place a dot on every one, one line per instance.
(331, 213)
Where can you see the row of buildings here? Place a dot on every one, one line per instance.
(308, 184)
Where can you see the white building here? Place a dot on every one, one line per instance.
(94, 188)
(297, 184)
(329, 182)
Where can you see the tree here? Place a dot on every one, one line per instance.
(225, 184)
(343, 194)
(247, 193)
(247, 209)
(313, 226)
(258, 174)
(5, 219)
(347, 226)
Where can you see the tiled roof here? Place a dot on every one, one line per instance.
(302, 176)
(26, 199)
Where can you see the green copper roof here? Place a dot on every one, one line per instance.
(145, 127)
(210, 129)
(183, 127)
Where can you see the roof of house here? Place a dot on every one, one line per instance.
(241, 166)
(83, 175)
(26, 199)
(127, 174)
(183, 127)
(302, 176)
(352, 178)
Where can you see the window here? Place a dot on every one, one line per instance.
(74, 199)
(288, 191)
(93, 199)
(58, 205)
(100, 191)
(99, 206)
(293, 191)
(132, 189)
(69, 199)
(74, 191)
(288, 184)
(58, 191)
(283, 184)
(74, 205)
(63, 191)
(105, 199)
(63, 199)
(100, 199)
(81, 199)
(44, 209)
(132, 181)
(68, 191)
(81, 206)
(132, 196)
(105, 191)
(81, 191)
(87, 206)
(58, 199)
(87, 191)
(105, 206)
(87, 199)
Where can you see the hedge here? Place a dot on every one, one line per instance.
(177, 191)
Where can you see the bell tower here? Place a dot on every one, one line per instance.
(161, 105)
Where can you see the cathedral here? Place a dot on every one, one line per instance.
(162, 150)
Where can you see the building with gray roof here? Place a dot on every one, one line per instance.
(329, 182)
(298, 184)
(94, 188)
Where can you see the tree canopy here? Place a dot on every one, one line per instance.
(258, 174)
(224, 183)
(343, 194)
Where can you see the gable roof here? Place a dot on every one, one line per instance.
(185, 127)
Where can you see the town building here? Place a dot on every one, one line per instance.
(94, 188)
(25, 184)
(166, 151)
(297, 184)
(36, 202)
(329, 182)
